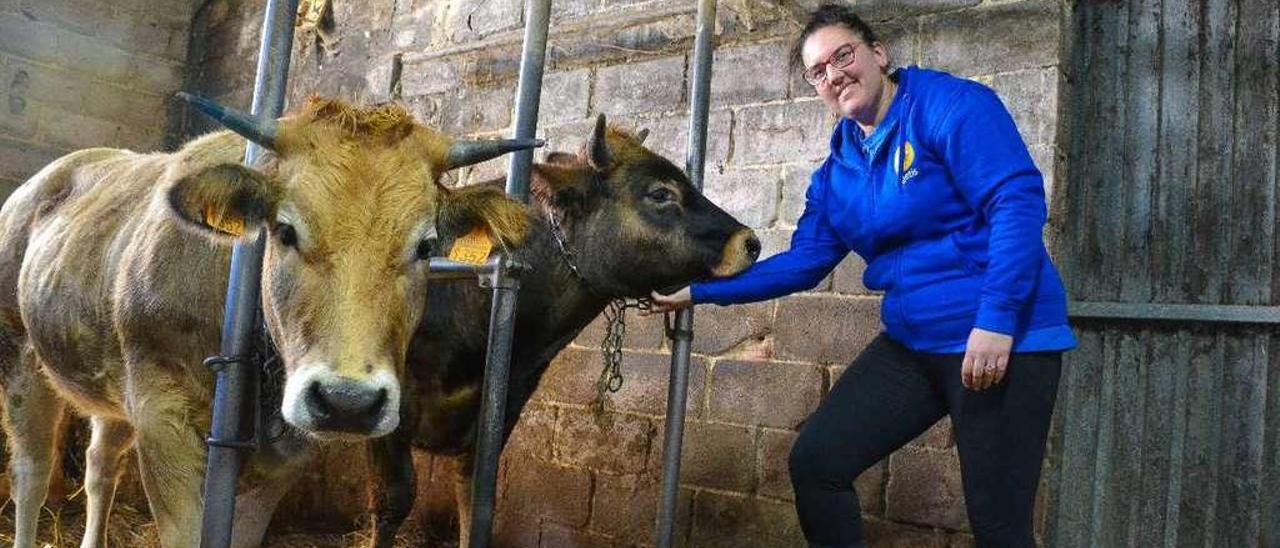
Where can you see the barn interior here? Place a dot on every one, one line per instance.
(1153, 122)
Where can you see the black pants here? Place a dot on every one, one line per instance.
(891, 395)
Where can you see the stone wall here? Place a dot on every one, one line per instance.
(570, 478)
(76, 74)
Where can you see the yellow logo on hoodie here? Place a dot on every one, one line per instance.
(903, 159)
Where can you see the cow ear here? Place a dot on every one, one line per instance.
(566, 187)
(224, 201)
(468, 208)
(598, 153)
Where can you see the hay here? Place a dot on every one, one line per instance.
(62, 527)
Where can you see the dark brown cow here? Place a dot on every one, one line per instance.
(634, 223)
(113, 269)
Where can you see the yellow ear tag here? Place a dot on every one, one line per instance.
(229, 225)
(473, 248)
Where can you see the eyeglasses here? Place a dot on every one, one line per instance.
(842, 58)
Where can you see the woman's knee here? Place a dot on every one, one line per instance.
(814, 462)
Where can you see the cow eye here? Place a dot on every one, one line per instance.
(426, 249)
(288, 236)
(661, 195)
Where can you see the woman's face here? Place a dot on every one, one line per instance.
(855, 90)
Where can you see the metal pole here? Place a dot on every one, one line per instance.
(237, 380)
(493, 406)
(505, 285)
(528, 94)
(682, 336)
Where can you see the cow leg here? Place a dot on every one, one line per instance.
(517, 397)
(395, 484)
(255, 507)
(171, 454)
(33, 419)
(110, 440)
(462, 498)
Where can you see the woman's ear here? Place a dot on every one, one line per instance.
(882, 56)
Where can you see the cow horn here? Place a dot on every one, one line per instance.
(259, 130)
(465, 153)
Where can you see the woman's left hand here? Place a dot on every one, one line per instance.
(986, 358)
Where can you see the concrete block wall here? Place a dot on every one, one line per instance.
(570, 477)
(76, 74)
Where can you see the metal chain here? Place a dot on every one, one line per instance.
(570, 258)
(270, 392)
(271, 425)
(615, 330)
(615, 315)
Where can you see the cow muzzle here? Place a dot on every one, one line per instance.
(741, 251)
(325, 404)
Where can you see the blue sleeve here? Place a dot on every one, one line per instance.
(815, 251)
(995, 174)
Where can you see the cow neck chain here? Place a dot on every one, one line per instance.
(270, 389)
(269, 392)
(615, 313)
(562, 243)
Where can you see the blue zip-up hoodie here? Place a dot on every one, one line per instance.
(945, 205)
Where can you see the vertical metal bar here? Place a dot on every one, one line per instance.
(505, 286)
(528, 94)
(493, 407)
(240, 315)
(682, 337)
(700, 92)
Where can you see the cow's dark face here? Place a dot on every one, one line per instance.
(636, 222)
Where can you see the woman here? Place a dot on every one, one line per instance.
(929, 181)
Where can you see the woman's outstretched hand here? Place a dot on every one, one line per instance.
(682, 298)
(986, 358)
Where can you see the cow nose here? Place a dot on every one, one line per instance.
(752, 246)
(345, 405)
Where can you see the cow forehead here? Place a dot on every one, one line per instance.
(345, 146)
(638, 162)
(654, 167)
(350, 193)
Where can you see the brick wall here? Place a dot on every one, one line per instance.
(570, 478)
(77, 74)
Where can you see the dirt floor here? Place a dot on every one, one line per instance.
(129, 527)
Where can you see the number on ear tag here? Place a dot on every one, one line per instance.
(233, 226)
(473, 248)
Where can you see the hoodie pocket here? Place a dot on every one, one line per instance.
(961, 260)
(939, 283)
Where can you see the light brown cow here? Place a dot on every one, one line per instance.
(113, 269)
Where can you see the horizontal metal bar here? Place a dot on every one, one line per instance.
(1217, 313)
(446, 269)
(487, 273)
